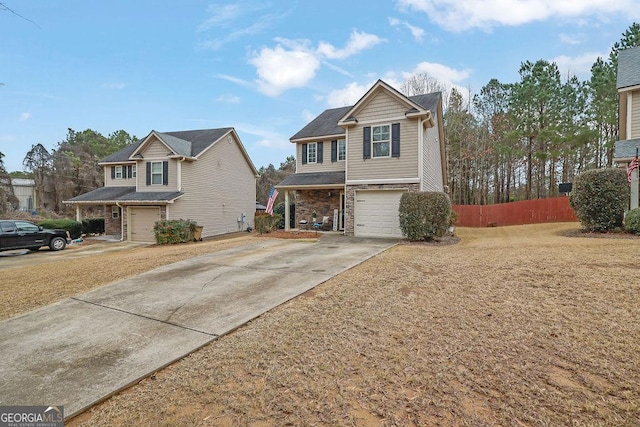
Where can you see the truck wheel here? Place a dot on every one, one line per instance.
(57, 244)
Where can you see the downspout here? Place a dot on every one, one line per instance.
(180, 160)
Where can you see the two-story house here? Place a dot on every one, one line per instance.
(354, 163)
(201, 175)
(628, 84)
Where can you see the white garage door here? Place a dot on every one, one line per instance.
(376, 213)
(141, 222)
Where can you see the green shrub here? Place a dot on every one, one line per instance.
(632, 221)
(173, 231)
(73, 227)
(599, 197)
(279, 210)
(93, 225)
(266, 223)
(424, 215)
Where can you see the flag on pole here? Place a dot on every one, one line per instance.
(633, 165)
(273, 194)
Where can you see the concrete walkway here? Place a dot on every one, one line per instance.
(81, 350)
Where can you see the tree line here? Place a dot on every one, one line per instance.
(518, 141)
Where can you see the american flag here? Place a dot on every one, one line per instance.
(632, 166)
(273, 194)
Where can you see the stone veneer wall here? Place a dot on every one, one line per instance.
(319, 200)
(350, 201)
(112, 226)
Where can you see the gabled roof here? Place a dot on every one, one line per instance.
(124, 195)
(190, 143)
(326, 124)
(628, 67)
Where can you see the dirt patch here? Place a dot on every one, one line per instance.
(511, 326)
(281, 234)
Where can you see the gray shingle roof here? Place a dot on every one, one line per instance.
(185, 143)
(625, 149)
(628, 67)
(314, 179)
(124, 195)
(327, 122)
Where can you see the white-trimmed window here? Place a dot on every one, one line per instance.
(342, 150)
(115, 212)
(156, 173)
(134, 170)
(312, 152)
(118, 172)
(381, 141)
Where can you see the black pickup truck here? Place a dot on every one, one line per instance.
(18, 234)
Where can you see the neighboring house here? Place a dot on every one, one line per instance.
(201, 175)
(628, 84)
(354, 163)
(25, 190)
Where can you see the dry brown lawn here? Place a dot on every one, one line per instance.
(512, 326)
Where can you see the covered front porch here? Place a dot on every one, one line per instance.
(318, 197)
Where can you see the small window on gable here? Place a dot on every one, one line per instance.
(118, 173)
(156, 173)
(381, 141)
(342, 150)
(115, 212)
(312, 152)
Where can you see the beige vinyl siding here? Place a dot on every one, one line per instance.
(635, 115)
(218, 188)
(431, 167)
(380, 108)
(118, 182)
(405, 166)
(326, 166)
(156, 151)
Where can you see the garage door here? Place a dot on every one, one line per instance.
(376, 214)
(141, 222)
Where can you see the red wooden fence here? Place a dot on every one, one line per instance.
(515, 213)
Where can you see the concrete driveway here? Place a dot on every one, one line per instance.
(81, 350)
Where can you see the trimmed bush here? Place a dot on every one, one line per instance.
(424, 215)
(599, 197)
(93, 225)
(632, 221)
(73, 227)
(266, 223)
(279, 210)
(174, 231)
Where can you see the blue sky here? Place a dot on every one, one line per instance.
(264, 67)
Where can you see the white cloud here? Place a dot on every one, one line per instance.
(577, 65)
(460, 15)
(266, 138)
(25, 116)
(348, 95)
(280, 69)
(572, 39)
(228, 99)
(417, 32)
(307, 115)
(441, 72)
(294, 63)
(358, 41)
(221, 15)
(235, 80)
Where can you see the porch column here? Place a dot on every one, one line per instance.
(78, 213)
(634, 189)
(286, 211)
